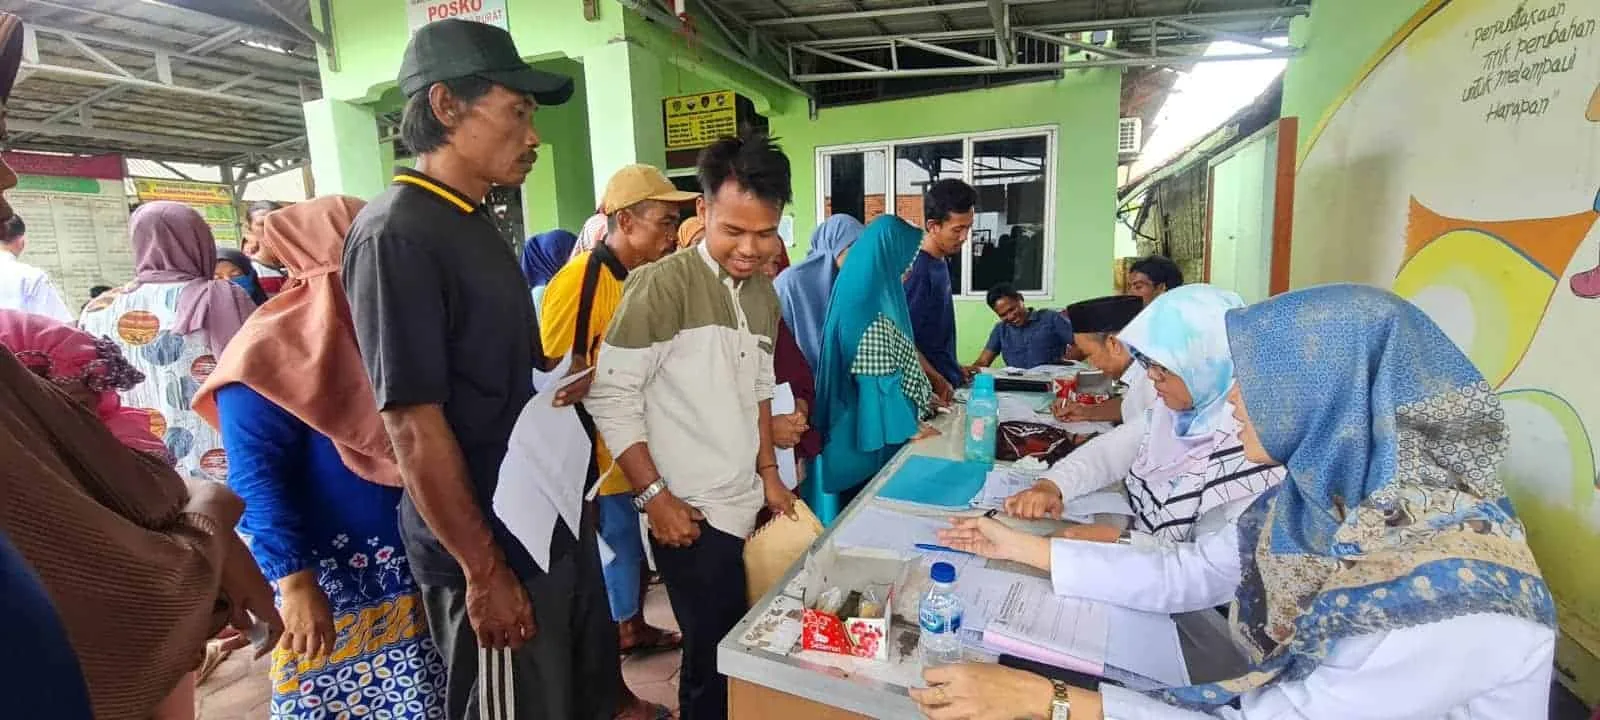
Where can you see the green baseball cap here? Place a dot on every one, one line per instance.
(454, 48)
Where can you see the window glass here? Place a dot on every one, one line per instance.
(855, 184)
(1008, 232)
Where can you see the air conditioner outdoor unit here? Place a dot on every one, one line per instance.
(1130, 134)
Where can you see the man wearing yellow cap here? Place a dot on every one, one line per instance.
(642, 211)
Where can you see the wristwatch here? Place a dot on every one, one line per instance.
(1060, 709)
(643, 497)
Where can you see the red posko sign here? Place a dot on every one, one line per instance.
(422, 12)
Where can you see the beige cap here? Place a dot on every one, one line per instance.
(634, 184)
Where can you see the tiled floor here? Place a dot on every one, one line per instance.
(239, 689)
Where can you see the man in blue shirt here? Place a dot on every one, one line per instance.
(1024, 338)
(947, 209)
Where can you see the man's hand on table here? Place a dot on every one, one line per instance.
(1108, 411)
(674, 522)
(943, 391)
(1041, 501)
(924, 432)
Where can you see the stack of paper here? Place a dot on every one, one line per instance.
(1036, 624)
(1002, 483)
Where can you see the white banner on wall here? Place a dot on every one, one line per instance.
(422, 12)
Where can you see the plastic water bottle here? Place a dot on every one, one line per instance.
(982, 421)
(940, 618)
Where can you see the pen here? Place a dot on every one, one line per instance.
(940, 548)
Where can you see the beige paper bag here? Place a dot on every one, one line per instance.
(776, 547)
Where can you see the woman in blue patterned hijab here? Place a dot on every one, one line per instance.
(1393, 514)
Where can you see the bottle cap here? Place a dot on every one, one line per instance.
(983, 382)
(943, 572)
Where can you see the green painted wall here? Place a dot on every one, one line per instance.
(371, 35)
(1339, 37)
(559, 193)
(1083, 109)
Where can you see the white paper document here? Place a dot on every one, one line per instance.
(1146, 644)
(1002, 483)
(542, 476)
(983, 593)
(783, 404)
(1033, 615)
(875, 527)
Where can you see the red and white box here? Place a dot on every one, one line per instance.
(855, 636)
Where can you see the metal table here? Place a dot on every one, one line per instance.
(767, 685)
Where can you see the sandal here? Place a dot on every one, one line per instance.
(655, 640)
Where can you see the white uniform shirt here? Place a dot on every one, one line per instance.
(1107, 458)
(1468, 667)
(27, 288)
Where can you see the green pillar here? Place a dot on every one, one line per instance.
(559, 193)
(343, 142)
(624, 108)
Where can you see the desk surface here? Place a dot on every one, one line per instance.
(1208, 650)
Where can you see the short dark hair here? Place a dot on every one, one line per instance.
(947, 197)
(753, 160)
(263, 206)
(14, 229)
(1160, 270)
(1003, 290)
(420, 129)
(98, 290)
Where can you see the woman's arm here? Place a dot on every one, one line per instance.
(266, 459)
(1173, 578)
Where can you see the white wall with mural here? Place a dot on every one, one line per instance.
(1464, 171)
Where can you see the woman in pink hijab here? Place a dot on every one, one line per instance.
(91, 371)
(172, 323)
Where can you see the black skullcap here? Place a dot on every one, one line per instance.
(1104, 314)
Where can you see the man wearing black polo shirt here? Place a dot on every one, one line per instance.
(448, 335)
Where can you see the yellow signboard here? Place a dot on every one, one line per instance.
(214, 202)
(695, 121)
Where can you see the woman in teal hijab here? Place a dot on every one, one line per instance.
(871, 392)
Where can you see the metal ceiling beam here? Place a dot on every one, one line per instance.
(978, 60)
(87, 35)
(246, 22)
(301, 25)
(1161, 61)
(859, 15)
(1000, 18)
(67, 71)
(841, 59)
(1215, 34)
(128, 137)
(1076, 45)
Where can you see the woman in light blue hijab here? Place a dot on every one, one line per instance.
(1189, 476)
(805, 289)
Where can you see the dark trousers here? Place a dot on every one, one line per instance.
(570, 669)
(705, 583)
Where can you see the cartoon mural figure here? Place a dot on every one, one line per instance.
(1462, 171)
(1587, 283)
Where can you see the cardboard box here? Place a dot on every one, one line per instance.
(854, 636)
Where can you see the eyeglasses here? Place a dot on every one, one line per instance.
(1158, 371)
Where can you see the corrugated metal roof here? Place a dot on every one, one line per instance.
(97, 79)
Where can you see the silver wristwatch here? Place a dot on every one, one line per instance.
(1060, 709)
(643, 497)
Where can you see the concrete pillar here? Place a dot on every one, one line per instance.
(343, 142)
(624, 108)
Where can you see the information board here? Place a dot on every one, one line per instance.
(489, 12)
(77, 232)
(213, 201)
(695, 121)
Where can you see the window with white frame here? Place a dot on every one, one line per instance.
(1013, 229)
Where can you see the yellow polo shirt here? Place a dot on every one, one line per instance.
(558, 328)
